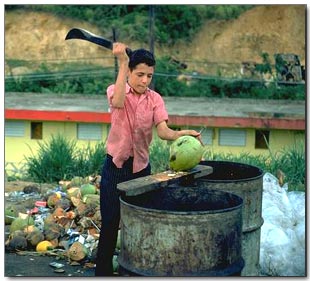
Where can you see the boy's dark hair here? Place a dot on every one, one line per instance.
(141, 56)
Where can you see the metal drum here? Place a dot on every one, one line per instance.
(245, 181)
(181, 231)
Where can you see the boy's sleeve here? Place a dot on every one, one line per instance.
(160, 112)
(110, 92)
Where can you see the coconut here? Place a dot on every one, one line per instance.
(21, 223)
(77, 251)
(185, 153)
(91, 198)
(88, 189)
(17, 243)
(52, 200)
(35, 237)
(73, 192)
(10, 214)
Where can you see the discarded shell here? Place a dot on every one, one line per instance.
(77, 251)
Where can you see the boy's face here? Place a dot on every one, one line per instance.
(140, 77)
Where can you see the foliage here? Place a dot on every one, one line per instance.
(132, 21)
(290, 160)
(54, 160)
(159, 156)
(89, 160)
(60, 158)
(88, 80)
(264, 67)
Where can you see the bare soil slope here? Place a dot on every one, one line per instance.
(271, 29)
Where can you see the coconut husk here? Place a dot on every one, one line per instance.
(64, 184)
(64, 221)
(80, 208)
(30, 228)
(75, 201)
(49, 219)
(77, 181)
(71, 215)
(52, 200)
(92, 198)
(85, 222)
(35, 237)
(20, 223)
(87, 210)
(77, 251)
(74, 192)
(52, 231)
(55, 242)
(94, 232)
(97, 217)
(64, 203)
(17, 243)
(59, 213)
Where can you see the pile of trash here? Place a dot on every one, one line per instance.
(282, 251)
(64, 221)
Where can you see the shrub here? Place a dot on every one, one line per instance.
(61, 159)
(53, 161)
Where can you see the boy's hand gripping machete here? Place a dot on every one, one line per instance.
(79, 33)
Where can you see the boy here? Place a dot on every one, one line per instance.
(135, 109)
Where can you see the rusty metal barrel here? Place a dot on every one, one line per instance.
(245, 181)
(181, 231)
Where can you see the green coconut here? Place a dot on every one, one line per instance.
(21, 223)
(88, 189)
(11, 213)
(91, 198)
(76, 181)
(185, 153)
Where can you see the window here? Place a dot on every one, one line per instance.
(89, 131)
(207, 136)
(262, 139)
(36, 130)
(14, 128)
(232, 137)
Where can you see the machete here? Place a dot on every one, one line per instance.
(79, 33)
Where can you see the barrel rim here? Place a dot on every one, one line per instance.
(217, 211)
(232, 180)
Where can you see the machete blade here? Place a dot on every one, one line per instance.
(79, 33)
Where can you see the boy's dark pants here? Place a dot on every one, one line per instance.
(110, 210)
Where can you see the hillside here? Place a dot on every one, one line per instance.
(271, 29)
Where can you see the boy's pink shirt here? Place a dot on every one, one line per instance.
(132, 126)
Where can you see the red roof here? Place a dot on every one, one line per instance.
(178, 120)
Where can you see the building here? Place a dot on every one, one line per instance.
(230, 125)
